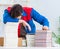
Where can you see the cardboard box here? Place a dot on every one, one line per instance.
(19, 42)
(1, 41)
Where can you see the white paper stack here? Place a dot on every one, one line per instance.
(43, 38)
(30, 40)
(11, 34)
(24, 43)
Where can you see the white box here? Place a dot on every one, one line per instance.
(30, 40)
(11, 34)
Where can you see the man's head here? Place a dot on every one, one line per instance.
(16, 11)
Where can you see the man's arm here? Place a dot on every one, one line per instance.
(40, 19)
(25, 24)
(7, 17)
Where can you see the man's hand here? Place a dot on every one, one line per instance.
(25, 24)
(45, 28)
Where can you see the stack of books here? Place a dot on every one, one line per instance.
(43, 38)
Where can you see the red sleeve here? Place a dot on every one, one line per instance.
(19, 30)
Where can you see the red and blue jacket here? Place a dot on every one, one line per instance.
(29, 14)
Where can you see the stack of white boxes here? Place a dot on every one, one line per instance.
(30, 40)
(11, 34)
(43, 38)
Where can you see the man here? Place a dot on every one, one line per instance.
(28, 14)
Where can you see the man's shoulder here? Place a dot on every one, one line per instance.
(6, 13)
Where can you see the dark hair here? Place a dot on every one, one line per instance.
(16, 10)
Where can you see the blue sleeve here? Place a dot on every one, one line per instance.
(39, 18)
(8, 18)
